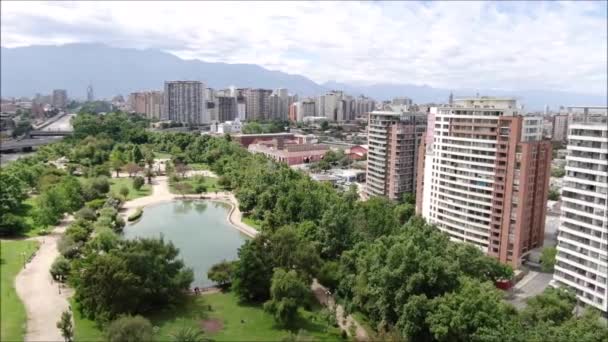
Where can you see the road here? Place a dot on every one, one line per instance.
(534, 283)
(62, 124)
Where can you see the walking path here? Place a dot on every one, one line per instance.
(39, 293)
(325, 298)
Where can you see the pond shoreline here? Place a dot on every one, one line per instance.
(161, 194)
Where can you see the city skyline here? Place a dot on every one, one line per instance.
(542, 45)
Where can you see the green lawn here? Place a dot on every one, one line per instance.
(257, 224)
(199, 166)
(209, 182)
(162, 155)
(12, 324)
(241, 322)
(117, 183)
(85, 329)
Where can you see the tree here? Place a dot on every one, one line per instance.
(553, 195)
(12, 192)
(124, 191)
(404, 211)
(138, 182)
(287, 293)
(136, 155)
(324, 125)
(187, 334)
(60, 268)
(65, 326)
(132, 169)
(253, 272)
(547, 259)
(70, 192)
(224, 182)
(48, 208)
(221, 273)
(117, 161)
(183, 188)
(553, 305)
(130, 329)
(149, 174)
(182, 169)
(120, 281)
(458, 316)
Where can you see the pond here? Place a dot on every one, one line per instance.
(199, 229)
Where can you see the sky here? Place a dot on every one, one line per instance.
(492, 45)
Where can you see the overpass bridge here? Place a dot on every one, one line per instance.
(49, 133)
(25, 144)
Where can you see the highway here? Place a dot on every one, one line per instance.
(62, 124)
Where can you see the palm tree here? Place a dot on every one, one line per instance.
(188, 334)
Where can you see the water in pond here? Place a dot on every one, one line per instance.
(198, 228)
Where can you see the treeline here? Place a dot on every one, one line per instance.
(404, 275)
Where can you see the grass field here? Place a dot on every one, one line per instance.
(241, 322)
(117, 183)
(85, 329)
(199, 166)
(162, 155)
(209, 182)
(12, 324)
(257, 224)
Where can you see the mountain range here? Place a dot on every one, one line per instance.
(111, 71)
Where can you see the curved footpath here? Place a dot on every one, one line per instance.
(39, 293)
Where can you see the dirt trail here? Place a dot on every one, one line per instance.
(327, 299)
(40, 294)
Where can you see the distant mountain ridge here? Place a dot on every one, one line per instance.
(39, 69)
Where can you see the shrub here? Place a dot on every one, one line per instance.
(136, 215)
(124, 191)
(60, 267)
(96, 203)
(187, 334)
(130, 329)
(68, 247)
(11, 224)
(138, 182)
(113, 202)
(86, 213)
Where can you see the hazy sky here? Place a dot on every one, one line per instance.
(508, 45)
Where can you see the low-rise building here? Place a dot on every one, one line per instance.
(289, 152)
(226, 127)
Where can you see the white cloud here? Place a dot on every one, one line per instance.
(558, 46)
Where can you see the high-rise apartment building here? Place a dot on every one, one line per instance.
(226, 108)
(582, 247)
(486, 176)
(185, 102)
(60, 98)
(559, 130)
(393, 139)
(363, 106)
(149, 103)
(402, 101)
(299, 110)
(257, 103)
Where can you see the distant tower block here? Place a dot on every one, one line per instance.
(90, 96)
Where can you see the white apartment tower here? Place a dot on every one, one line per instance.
(582, 248)
(185, 102)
